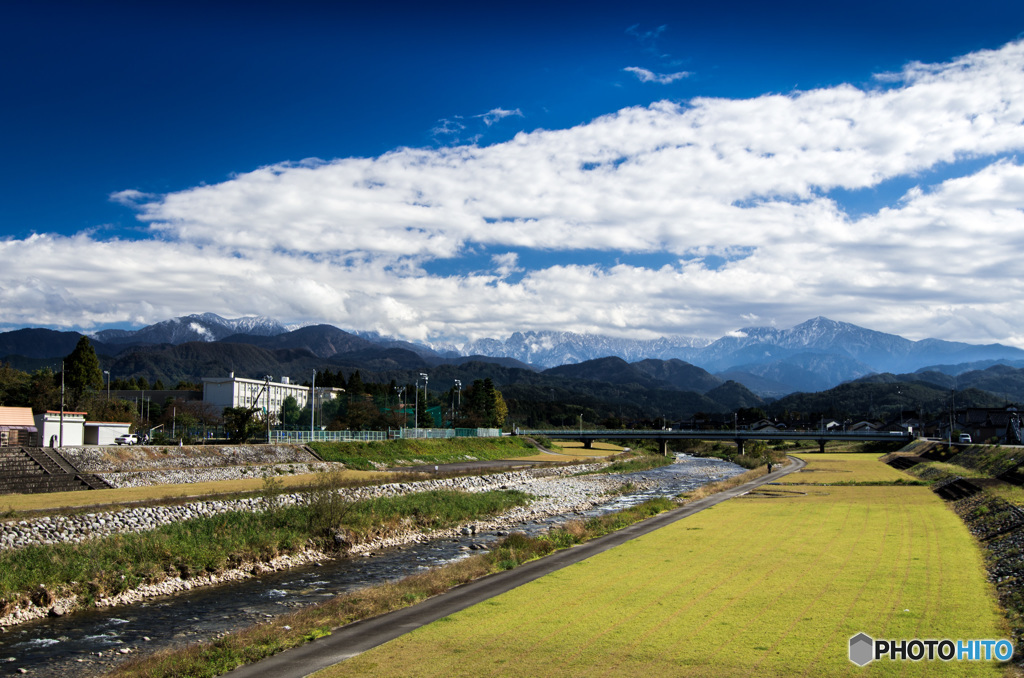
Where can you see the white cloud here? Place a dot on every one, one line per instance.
(495, 114)
(645, 75)
(347, 241)
(506, 264)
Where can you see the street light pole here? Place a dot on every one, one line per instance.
(267, 379)
(458, 389)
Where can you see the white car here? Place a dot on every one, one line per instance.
(965, 437)
(127, 439)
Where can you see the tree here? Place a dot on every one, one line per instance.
(290, 413)
(355, 384)
(82, 368)
(44, 391)
(363, 415)
(483, 405)
(14, 386)
(242, 424)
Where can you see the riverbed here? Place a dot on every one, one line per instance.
(88, 643)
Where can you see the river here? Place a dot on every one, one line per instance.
(88, 643)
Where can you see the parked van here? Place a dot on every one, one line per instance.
(965, 437)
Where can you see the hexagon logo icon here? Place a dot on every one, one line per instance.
(861, 649)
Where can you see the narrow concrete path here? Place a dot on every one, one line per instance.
(358, 637)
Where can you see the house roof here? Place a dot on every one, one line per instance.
(16, 416)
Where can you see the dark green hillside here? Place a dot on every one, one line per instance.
(611, 370)
(193, 361)
(998, 379)
(881, 396)
(679, 373)
(733, 396)
(40, 343)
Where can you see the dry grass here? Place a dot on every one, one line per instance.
(573, 450)
(843, 468)
(154, 493)
(729, 483)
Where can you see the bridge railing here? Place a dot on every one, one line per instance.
(741, 433)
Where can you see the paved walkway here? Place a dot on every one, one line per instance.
(361, 636)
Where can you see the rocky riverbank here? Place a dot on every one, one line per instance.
(117, 459)
(556, 490)
(210, 474)
(77, 528)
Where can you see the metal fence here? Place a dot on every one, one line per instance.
(303, 437)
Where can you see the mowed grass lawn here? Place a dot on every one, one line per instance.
(754, 586)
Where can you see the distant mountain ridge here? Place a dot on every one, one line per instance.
(551, 349)
(815, 355)
(196, 327)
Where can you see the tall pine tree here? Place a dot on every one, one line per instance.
(82, 368)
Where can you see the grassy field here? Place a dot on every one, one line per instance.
(843, 468)
(768, 584)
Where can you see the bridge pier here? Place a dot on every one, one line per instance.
(739, 445)
(588, 443)
(821, 445)
(663, 447)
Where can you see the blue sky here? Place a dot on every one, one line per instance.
(459, 171)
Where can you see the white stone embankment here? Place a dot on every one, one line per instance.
(78, 528)
(556, 492)
(104, 459)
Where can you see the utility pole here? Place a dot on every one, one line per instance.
(401, 406)
(107, 372)
(312, 407)
(62, 403)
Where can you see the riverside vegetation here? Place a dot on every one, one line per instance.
(108, 566)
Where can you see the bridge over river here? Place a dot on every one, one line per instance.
(663, 436)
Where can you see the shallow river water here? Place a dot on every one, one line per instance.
(88, 643)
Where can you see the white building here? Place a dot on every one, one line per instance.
(105, 432)
(76, 430)
(58, 431)
(235, 391)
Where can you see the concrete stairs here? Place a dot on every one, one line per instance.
(33, 470)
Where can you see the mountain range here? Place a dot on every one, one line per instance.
(769, 362)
